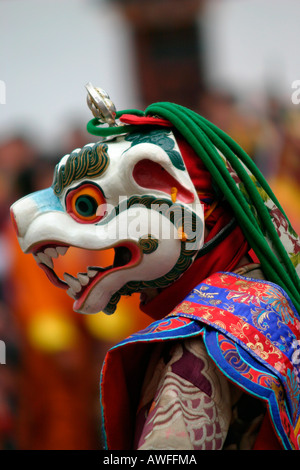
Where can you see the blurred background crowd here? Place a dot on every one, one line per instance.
(233, 62)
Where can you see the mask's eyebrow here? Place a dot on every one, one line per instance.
(90, 161)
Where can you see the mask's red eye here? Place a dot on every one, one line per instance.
(86, 203)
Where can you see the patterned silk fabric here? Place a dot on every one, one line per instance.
(191, 406)
(188, 404)
(251, 334)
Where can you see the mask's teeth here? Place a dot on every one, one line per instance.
(62, 250)
(72, 282)
(92, 272)
(83, 278)
(51, 252)
(71, 293)
(37, 259)
(45, 259)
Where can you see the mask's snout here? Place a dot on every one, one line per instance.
(13, 221)
(22, 213)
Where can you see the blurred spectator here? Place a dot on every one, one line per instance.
(16, 153)
(49, 388)
(271, 137)
(285, 182)
(51, 400)
(224, 110)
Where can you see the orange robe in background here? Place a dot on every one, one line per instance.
(61, 355)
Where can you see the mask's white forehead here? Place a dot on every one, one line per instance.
(112, 150)
(123, 153)
(115, 149)
(118, 145)
(64, 159)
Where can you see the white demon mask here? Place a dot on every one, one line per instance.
(131, 193)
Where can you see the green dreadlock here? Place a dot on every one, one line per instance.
(209, 141)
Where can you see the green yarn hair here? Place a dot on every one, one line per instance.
(208, 141)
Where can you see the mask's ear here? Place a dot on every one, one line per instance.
(147, 166)
(154, 164)
(152, 175)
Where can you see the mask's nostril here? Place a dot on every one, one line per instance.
(13, 220)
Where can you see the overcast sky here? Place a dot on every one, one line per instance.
(49, 49)
(254, 44)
